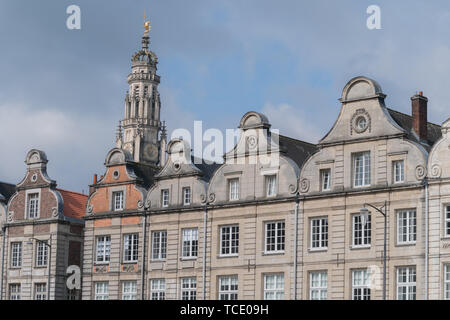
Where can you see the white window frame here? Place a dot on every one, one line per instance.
(399, 176)
(187, 196)
(158, 289)
(325, 179)
(447, 281)
(447, 220)
(159, 245)
(409, 285)
(101, 290)
(118, 200)
(129, 290)
(361, 284)
(229, 240)
(318, 286)
(361, 232)
(37, 203)
(188, 289)
(274, 286)
(233, 189)
(103, 249)
(322, 234)
(228, 288)
(278, 239)
(16, 254)
(130, 248)
(189, 243)
(410, 229)
(271, 185)
(362, 177)
(165, 198)
(40, 291)
(41, 253)
(14, 294)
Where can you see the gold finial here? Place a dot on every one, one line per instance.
(147, 25)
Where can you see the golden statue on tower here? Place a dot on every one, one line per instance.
(147, 25)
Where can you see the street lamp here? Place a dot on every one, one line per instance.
(364, 218)
(49, 246)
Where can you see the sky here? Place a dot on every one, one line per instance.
(62, 91)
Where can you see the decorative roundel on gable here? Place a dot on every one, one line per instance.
(176, 166)
(252, 142)
(360, 122)
(116, 174)
(34, 177)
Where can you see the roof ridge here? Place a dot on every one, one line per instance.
(405, 114)
(79, 193)
(303, 141)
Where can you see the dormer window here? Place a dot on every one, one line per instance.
(271, 186)
(118, 201)
(165, 198)
(399, 171)
(325, 179)
(233, 189)
(33, 205)
(361, 167)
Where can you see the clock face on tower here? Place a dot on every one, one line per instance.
(128, 147)
(151, 152)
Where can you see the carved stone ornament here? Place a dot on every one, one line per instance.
(203, 198)
(212, 197)
(421, 172)
(10, 216)
(292, 188)
(436, 171)
(101, 269)
(147, 203)
(252, 142)
(55, 212)
(360, 122)
(89, 209)
(140, 204)
(304, 185)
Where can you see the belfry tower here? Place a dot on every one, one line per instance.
(140, 129)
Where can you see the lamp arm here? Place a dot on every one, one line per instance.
(372, 206)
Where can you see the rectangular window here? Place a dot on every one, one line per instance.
(325, 178)
(275, 236)
(101, 291)
(157, 289)
(190, 243)
(188, 289)
(406, 283)
(159, 245)
(41, 253)
(406, 226)
(33, 205)
(229, 243)
(14, 291)
(103, 249)
(233, 187)
(165, 198)
(274, 286)
(129, 290)
(360, 285)
(447, 281)
(361, 167)
(318, 285)
(271, 186)
(118, 200)
(399, 171)
(16, 254)
(186, 196)
(40, 291)
(447, 220)
(228, 288)
(319, 233)
(130, 247)
(361, 231)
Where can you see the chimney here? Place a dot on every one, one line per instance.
(91, 187)
(419, 115)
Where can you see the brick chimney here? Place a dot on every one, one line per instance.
(94, 182)
(419, 115)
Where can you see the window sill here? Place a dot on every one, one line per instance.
(158, 260)
(15, 268)
(362, 247)
(40, 267)
(405, 244)
(101, 263)
(130, 262)
(272, 253)
(318, 249)
(188, 258)
(223, 256)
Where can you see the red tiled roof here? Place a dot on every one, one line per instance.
(74, 203)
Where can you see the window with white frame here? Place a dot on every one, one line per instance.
(274, 286)
(130, 247)
(325, 179)
(361, 169)
(16, 254)
(399, 171)
(190, 243)
(228, 288)
(271, 186)
(406, 226)
(40, 291)
(14, 291)
(447, 220)
(103, 250)
(41, 253)
(33, 205)
(319, 233)
(447, 281)
(275, 236)
(159, 245)
(165, 198)
(362, 230)
(188, 289)
(129, 290)
(360, 285)
(186, 196)
(233, 188)
(318, 285)
(406, 283)
(157, 289)
(101, 290)
(117, 200)
(229, 240)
